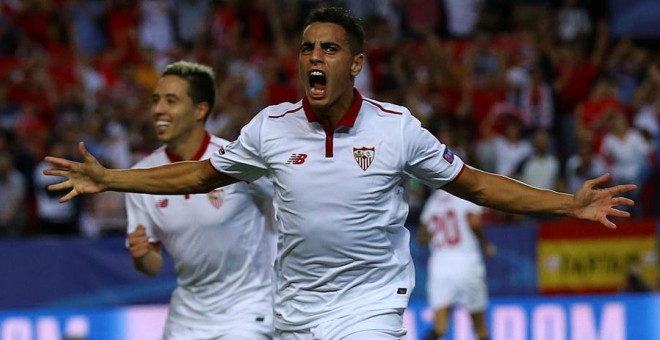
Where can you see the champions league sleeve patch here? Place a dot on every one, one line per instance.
(448, 155)
(224, 149)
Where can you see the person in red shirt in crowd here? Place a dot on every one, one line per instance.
(592, 115)
(576, 69)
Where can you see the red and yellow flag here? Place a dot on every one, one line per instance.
(575, 256)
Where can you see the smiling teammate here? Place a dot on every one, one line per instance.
(222, 250)
(338, 163)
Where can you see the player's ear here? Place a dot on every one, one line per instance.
(201, 110)
(358, 62)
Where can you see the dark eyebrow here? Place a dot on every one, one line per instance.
(167, 96)
(325, 45)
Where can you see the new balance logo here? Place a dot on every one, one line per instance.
(297, 158)
(162, 203)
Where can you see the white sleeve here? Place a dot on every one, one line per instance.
(137, 214)
(242, 158)
(427, 159)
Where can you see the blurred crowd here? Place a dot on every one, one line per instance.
(537, 90)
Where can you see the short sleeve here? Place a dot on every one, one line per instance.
(137, 214)
(242, 158)
(427, 159)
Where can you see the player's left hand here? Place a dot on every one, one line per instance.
(595, 204)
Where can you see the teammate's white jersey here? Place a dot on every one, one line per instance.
(221, 248)
(455, 250)
(342, 245)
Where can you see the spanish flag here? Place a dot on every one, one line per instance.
(576, 256)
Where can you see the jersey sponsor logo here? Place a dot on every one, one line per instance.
(162, 203)
(297, 158)
(448, 155)
(216, 197)
(364, 156)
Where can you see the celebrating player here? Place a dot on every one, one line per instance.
(222, 248)
(338, 162)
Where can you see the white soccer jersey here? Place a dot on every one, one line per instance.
(456, 270)
(455, 250)
(222, 250)
(342, 245)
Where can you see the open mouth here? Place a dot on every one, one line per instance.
(317, 83)
(162, 125)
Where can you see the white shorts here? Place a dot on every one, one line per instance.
(373, 325)
(469, 292)
(248, 326)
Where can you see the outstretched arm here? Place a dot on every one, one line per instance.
(590, 203)
(90, 177)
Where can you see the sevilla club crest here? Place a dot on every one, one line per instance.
(216, 197)
(364, 156)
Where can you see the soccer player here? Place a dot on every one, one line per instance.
(453, 229)
(338, 162)
(221, 245)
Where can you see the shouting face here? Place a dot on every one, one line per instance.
(328, 67)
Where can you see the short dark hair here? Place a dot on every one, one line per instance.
(201, 81)
(344, 18)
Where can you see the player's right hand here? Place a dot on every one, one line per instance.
(138, 242)
(81, 178)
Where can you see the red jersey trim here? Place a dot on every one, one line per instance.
(197, 156)
(286, 113)
(382, 108)
(459, 173)
(348, 120)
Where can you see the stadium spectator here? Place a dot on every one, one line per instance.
(594, 114)
(87, 34)
(503, 145)
(541, 168)
(576, 67)
(55, 218)
(191, 19)
(536, 103)
(13, 199)
(582, 165)
(156, 28)
(462, 16)
(573, 22)
(335, 154)
(627, 151)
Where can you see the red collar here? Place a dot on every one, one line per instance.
(348, 120)
(198, 155)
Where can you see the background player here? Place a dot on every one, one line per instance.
(222, 249)
(453, 229)
(338, 163)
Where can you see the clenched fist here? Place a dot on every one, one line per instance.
(138, 243)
